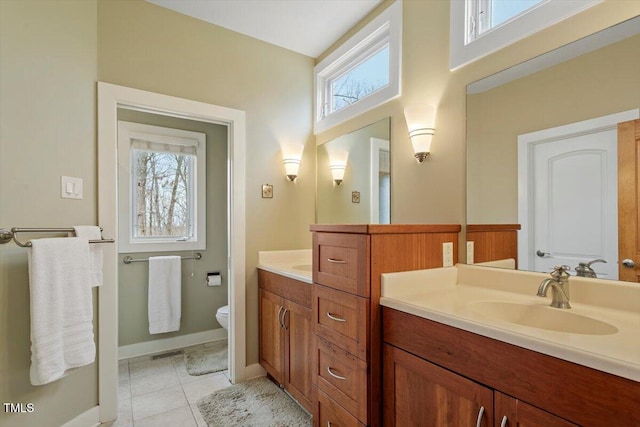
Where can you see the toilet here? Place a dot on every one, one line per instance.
(222, 316)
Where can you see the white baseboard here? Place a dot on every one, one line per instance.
(88, 418)
(158, 346)
(254, 371)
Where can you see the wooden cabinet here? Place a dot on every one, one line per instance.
(511, 412)
(419, 393)
(348, 261)
(285, 333)
(434, 373)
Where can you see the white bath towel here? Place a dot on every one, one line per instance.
(92, 232)
(61, 308)
(165, 289)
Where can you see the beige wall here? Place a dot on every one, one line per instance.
(199, 302)
(48, 53)
(434, 191)
(603, 82)
(147, 47)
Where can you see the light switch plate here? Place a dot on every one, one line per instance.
(70, 187)
(447, 254)
(469, 252)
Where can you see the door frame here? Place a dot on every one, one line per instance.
(376, 144)
(526, 144)
(110, 98)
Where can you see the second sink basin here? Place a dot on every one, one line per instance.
(541, 317)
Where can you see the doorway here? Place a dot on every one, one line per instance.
(110, 98)
(567, 192)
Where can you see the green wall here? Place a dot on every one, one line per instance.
(199, 302)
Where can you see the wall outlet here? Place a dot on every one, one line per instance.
(469, 252)
(447, 254)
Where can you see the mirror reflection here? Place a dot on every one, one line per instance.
(353, 177)
(542, 163)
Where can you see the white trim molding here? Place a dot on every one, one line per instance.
(167, 344)
(110, 98)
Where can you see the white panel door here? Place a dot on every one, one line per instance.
(574, 219)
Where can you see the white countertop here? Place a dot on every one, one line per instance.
(450, 296)
(295, 264)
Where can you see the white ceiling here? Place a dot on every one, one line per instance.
(308, 27)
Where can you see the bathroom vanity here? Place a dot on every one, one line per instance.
(475, 346)
(348, 261)
(284, 279)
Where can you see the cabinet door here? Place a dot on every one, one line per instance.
(297, 363)
(511, 412)
(419, 393)
(271, 334)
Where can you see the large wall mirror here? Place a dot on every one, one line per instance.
(353, 177)
(541, 149)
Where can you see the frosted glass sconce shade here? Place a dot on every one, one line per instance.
(291, 168)
(337, 172)
(421, 123)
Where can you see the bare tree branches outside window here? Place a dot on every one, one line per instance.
(162, 196)
(364, 79)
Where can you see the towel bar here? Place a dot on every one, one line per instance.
(129, 260)
(8, 235)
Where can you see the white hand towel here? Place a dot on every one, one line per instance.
(92, 232)
(61, 308)
(165, 289)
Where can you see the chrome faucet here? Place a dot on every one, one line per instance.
(559, 283)
(584, 268)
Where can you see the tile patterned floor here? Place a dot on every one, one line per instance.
(160, 392)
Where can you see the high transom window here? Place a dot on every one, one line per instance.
(362, 73)
(480, 27)
(487, 14)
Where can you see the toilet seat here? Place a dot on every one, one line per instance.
(223, 311)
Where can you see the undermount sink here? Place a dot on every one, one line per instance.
(541, 317)
(305, 267)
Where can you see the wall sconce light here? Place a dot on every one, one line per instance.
(291, 167)
(337, 172)
(421, 123)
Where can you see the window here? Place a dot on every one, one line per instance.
(161, 188)
(480, 27)
(483, 15)
(362, 73)
(367, 77)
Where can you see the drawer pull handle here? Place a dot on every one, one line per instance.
(336, 261)
(339, 377)
(504, 421)
(480, 415)
(337, 319)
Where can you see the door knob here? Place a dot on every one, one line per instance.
(628, 263)
(542, 254)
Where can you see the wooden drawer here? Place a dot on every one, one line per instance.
(328, 413)
(342, 318)
(343, 377)
(291, 289)
(340, 262)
